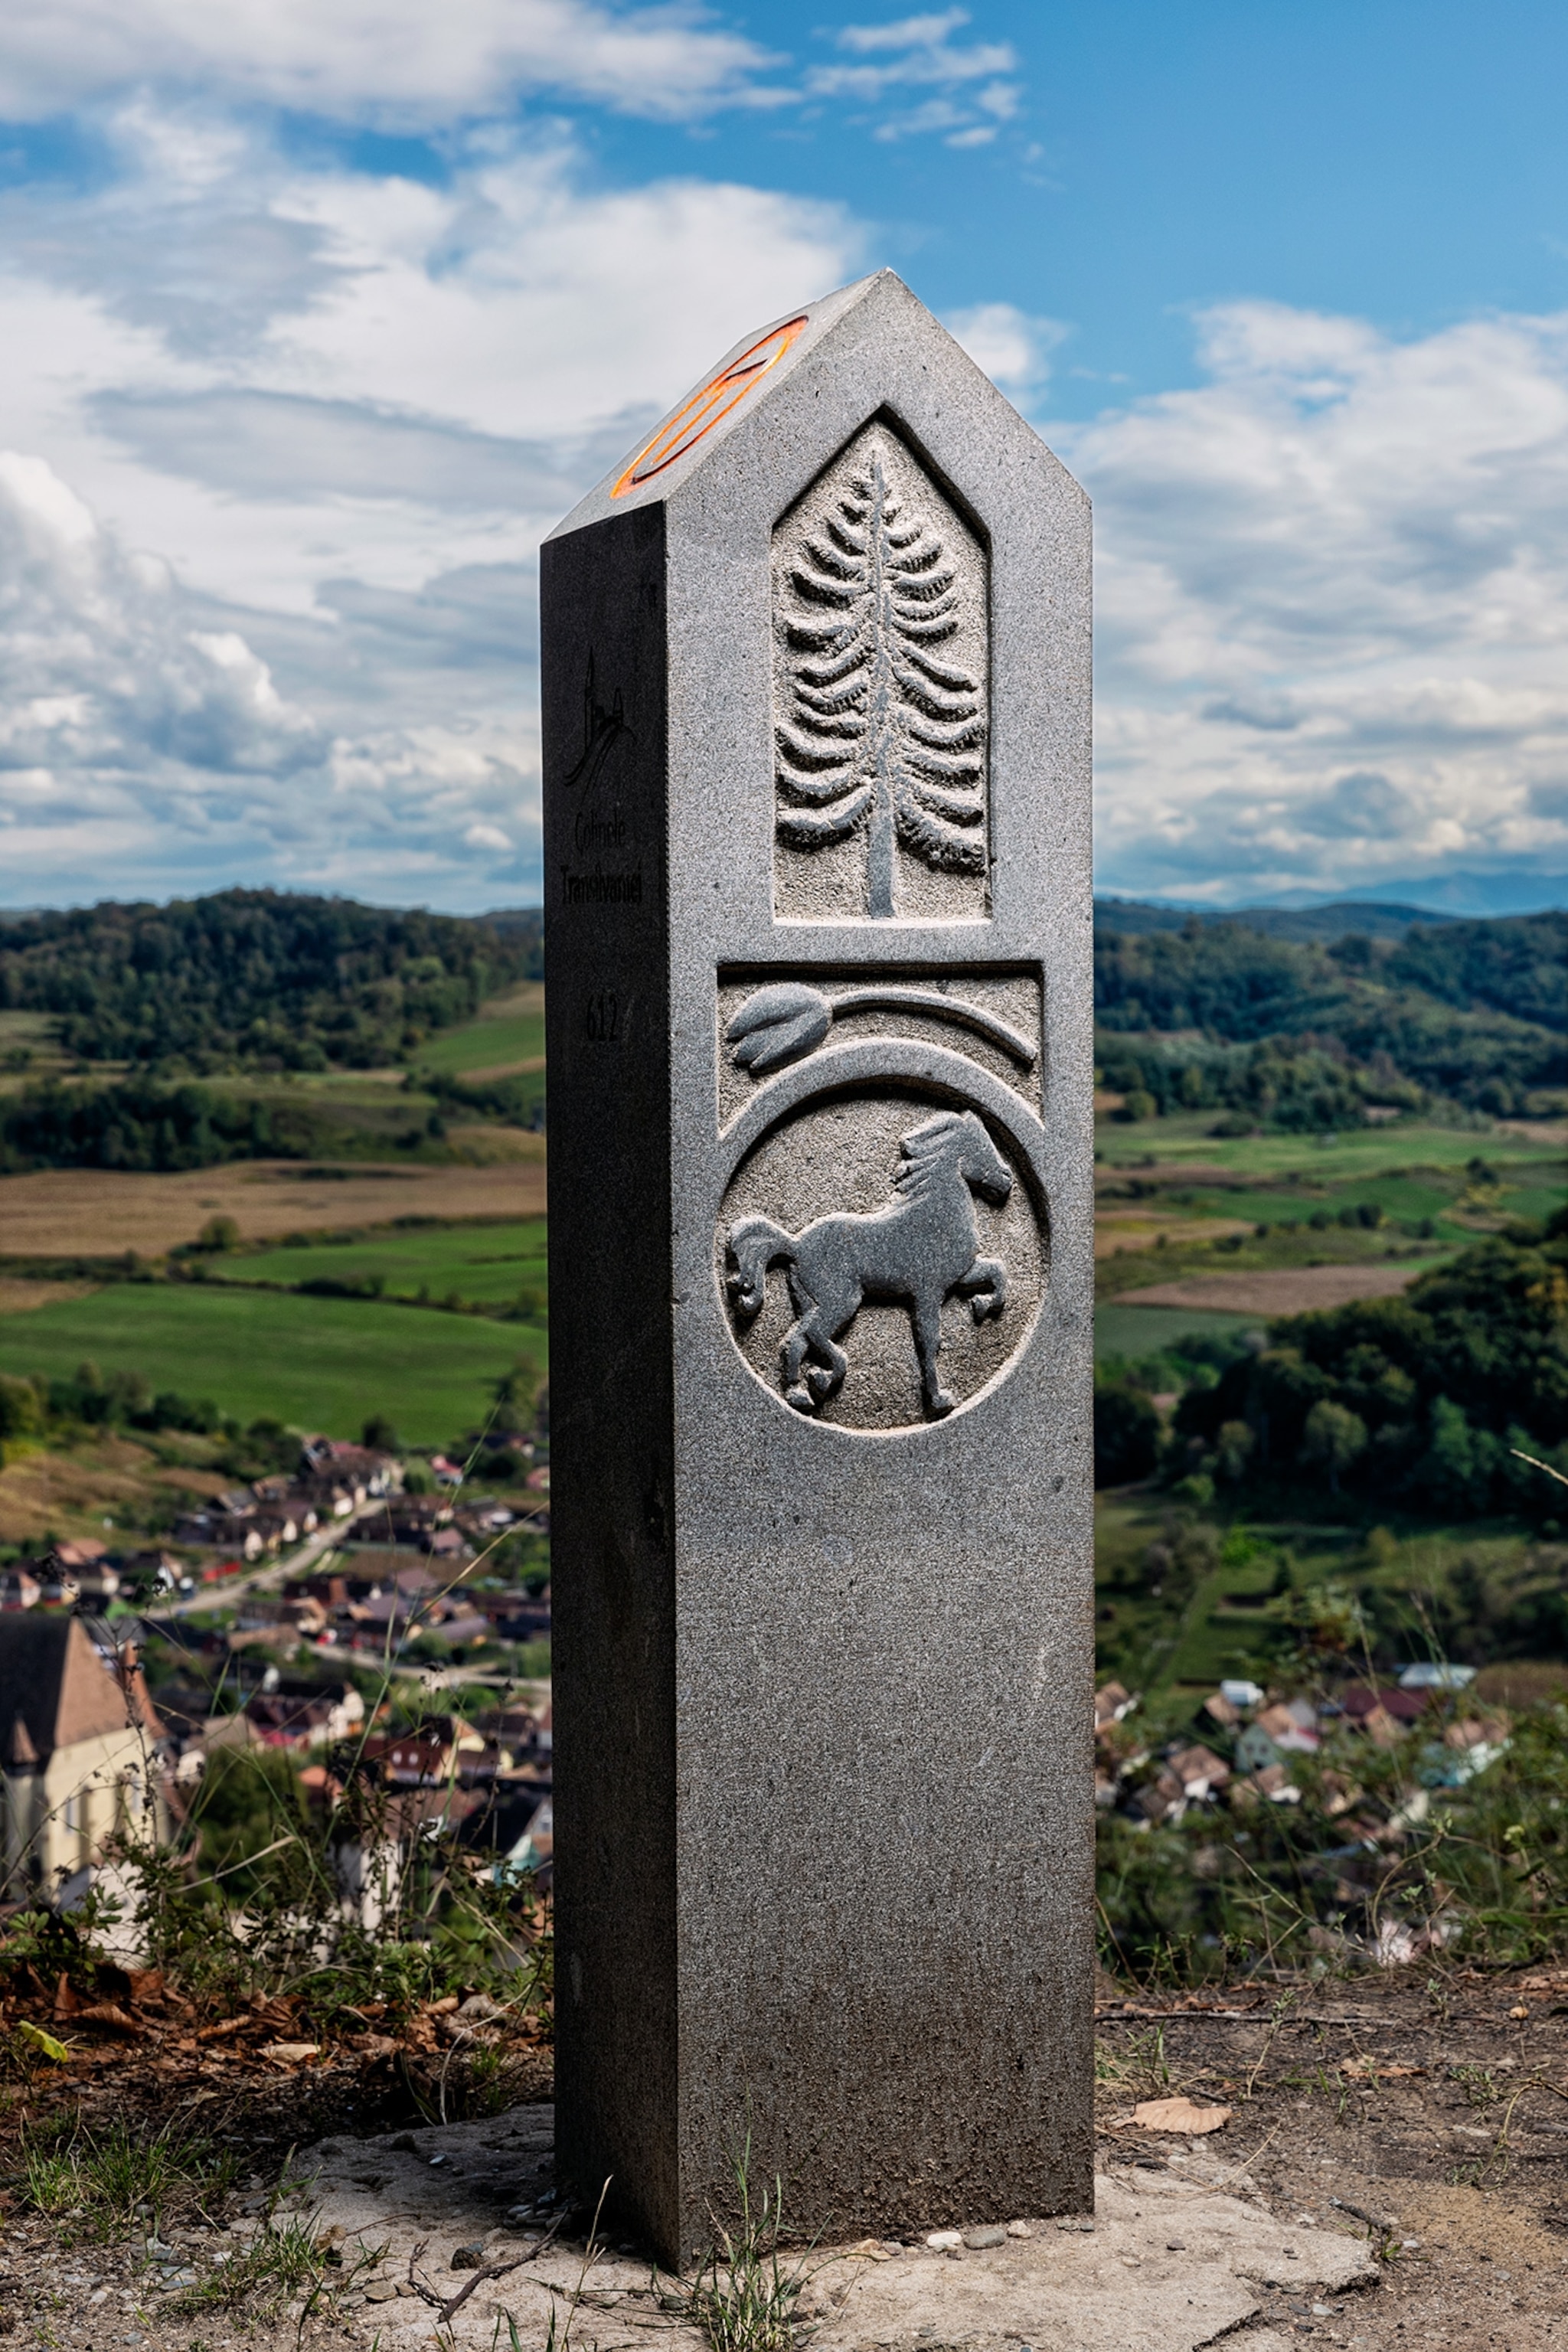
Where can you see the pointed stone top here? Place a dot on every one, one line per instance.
(879, 334)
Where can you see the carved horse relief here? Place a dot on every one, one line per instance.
(918, 1251)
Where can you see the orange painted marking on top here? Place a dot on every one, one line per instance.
(705, 406)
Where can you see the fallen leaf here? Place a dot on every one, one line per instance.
(1376, 2068)
(216, 2033)
(108, 2013)
(292, 2053)
(44, 2042)
(1178, 2116)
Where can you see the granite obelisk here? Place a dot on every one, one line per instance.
(817, 806)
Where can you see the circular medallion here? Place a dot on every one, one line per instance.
(883, 1257)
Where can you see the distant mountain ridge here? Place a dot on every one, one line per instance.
(1347, 1004)
(1339, 918)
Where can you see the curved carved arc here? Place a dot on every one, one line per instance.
(876, 1061)
(783, 1022)
(948, 1008)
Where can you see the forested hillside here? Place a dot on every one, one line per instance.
(1428, 1399)
(1307, 1033)
(116, 1021)
(256, 979)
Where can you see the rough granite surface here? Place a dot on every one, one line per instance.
(824, 1628)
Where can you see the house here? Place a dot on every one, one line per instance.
(277, 1527)
(534, 1851)
(76, 1572)
(213, 1527)
(441, 1748)
(147, 1572)
(518, 1732)
(83, 1551)
(514, 1616)
(19, 1588)
(306, 1716)
(332, 1499)
(80, 1749)
(374, 1472)
(264, 1610)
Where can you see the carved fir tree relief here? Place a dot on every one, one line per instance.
(879, 695)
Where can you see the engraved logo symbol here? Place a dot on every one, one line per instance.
(918, 1250)
(708, 407)
(879, 688)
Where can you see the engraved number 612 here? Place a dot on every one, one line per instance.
(604, 1018)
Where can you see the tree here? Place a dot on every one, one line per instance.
(1126, 1435)
(1334, 1437)
(1234, 1447)
(882, 734)
(380, 1436)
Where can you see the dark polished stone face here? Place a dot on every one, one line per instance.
(817, 805)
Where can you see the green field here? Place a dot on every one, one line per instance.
(1137, 1332)
(488, 1266)
(507, 1031)
(1360, 1152)
(317, 1363)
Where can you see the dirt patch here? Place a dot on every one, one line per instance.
(1406, 2125)
(1280, 1290)
(1434, 2101)
(22, 1298)
(1519, 1683)
(101, 1212)
(1535, 1130)
(493, 1147)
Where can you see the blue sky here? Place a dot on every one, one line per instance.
(318, 312)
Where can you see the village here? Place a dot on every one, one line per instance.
(369, 1633)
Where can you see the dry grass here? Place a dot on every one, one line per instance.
(1520, 1682)
(21, 1297)
(71, 1494)
(1278, 1290)
(489, 1070)
(1135, 1229)
(493, 1147)
(96, 1212)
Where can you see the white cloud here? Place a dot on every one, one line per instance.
(1013, 348)
(323, 672)
(896, 60)
(1334, 606)
(401, 61)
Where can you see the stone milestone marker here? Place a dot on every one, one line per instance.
(817, 795)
